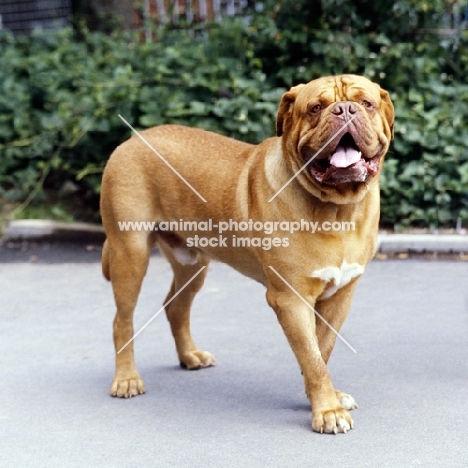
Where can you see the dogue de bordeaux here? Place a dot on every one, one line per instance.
(337, 130)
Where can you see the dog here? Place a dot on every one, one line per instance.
(323, 165)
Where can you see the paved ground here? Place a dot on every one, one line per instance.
(409, 324)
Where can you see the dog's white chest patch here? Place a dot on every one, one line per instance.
(337, 278)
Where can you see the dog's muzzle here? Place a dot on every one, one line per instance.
(345, 164)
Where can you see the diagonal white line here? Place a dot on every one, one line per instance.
(311, 159)
(161, 309)
(313, 308)
(159, 155)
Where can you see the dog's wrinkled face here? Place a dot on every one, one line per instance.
(342, 125)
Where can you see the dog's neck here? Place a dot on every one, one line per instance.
(352, 212)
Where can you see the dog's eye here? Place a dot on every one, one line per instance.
(366, 104)
(315, 109)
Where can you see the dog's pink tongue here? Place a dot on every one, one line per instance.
(345, 156)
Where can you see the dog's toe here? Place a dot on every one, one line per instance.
(332, 422)
(127, 388)
(197, 359)
(347, 401)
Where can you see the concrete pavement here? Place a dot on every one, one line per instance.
(409, 324)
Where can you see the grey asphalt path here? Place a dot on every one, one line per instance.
(408, 323)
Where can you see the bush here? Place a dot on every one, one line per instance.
(60, 95)
(60, 99)
(399, 46)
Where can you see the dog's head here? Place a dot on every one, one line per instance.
(341, 126)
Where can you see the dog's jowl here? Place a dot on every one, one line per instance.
(321, 169)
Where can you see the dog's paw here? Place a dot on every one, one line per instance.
(347, 401)
(332, 422)
(197, 359)
(127, 388)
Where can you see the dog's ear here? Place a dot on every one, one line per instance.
(285, 108)
(387, 110)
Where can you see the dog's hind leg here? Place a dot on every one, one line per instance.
(127, 259)
(186, 263)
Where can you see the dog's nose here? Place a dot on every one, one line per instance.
(344, 109)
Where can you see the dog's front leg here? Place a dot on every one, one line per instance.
(298, 323)
(331, 315)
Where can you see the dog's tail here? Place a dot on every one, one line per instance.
(105, 261)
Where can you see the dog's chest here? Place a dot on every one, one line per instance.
(336, 278)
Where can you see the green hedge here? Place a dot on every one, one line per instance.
(60, 99)
(412, 49)
(60, 96)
